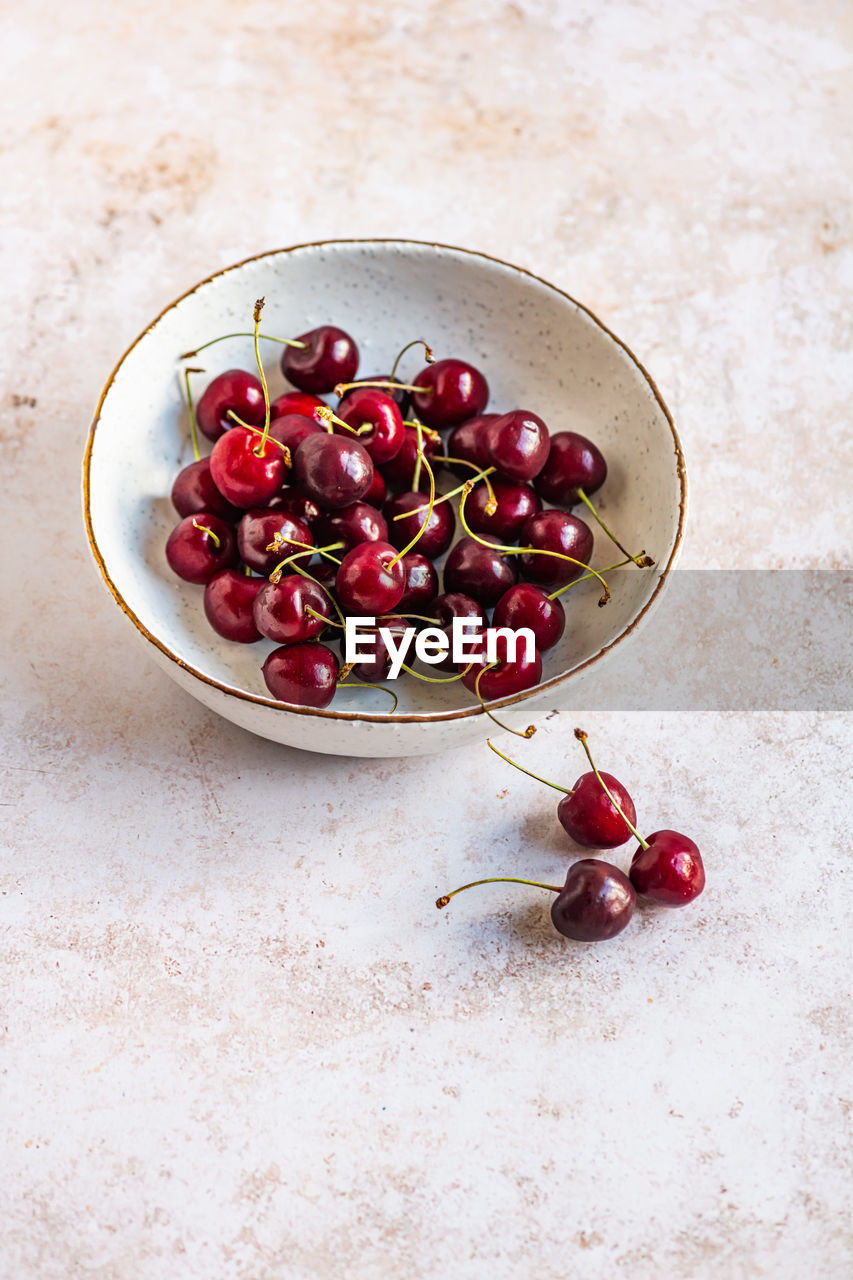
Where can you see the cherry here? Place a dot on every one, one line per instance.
(256, 531)
(399, 472)
(400, 395)
(333, 470)
(517, 443)
(298, 402)
(359, 522)
(467, 441)
(329, 356)
(507, 676)
(370, 580)
(378, 666)
(228, 600)
(281, 609)
(378, 491)
(452, 391)
(235, 391)
(421, 582)
(303, 674)
(247, 470)
(454, 604)
(293, 503)
(573, 463)
(292, 428)
(478, 571)
(194, 491)
(200, 546)
(596, 902)
(526, 605)
(368, 407)
(440, 526)
(559, 532)
(516, 502)
(668, 868)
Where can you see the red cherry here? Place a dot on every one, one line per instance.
(369, 407)
(506, 676)
(228, 600)
(517, 444)
(596, 902)
(234, 390)
(298, 402)
(359, 522)
(573, 463)
(399, 473)
(200, 546)
(555, 531)
(467, 441)
(293, 503)
(440, 527)
(195, 491)
(421, 583)
(525, 605)
(516, 503)
(292, 428)
(331, 357)
(256, 531)
(302, 674)
(589, 815)
(332, 470)
(378, 666)
(669, 870)
(281, 609)
(247, 471)
(378, 491)
(478, 571)
(454, 604)
(453, 391)
(368, 581)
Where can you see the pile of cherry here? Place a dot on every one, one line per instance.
(597, 900)
(302, 515)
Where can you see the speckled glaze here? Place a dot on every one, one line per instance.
(538, 347)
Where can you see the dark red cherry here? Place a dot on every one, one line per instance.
(454, 604)
(467, 441)
(555, 531)
(401, 398)
(478, 571)
(370, 407)
(281, 609)
(256, 531)
(200, 546)
(670, 871)
(516, 503)
(517, 444)
(331, 357)
(247, 470)
(293, 503)
(368, 582)
(378, 665)
(508, 675)
(440, 527)
(378, 491)
(595, 903)
(526, 605)
(332, 470)
(234, 390)
(303, 674)
(421, 583)
(292, 428)
(573, 463)
(228, 601)
(359, 522)
(399, 473)
(589, 815)
(298, 402)
(194, 491)
(453, 391)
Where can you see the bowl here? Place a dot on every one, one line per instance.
(539, 349)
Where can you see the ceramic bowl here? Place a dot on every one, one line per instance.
(538, 348)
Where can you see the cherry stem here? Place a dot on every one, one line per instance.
(419, 675)
(581, 737)
(518, 733)
(535, 884)
(325, 415)
(193, 431)
(483, 475)
(416, 342)
(365, 684)
(586, 577)
(267, 337)
(259, 306)
(427, 431)
(279, 540)
(384, 385)
(522, 769)
(337, 608)
(204, 529)
(247, 426)
(416, 475)
(429, 510)
(521, 551)
(641, 560)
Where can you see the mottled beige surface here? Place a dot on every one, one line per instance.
(238, 1041)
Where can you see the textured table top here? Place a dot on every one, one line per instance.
(238, 1041)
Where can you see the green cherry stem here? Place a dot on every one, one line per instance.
(266, 337)
(429, 509)
(641, 560)
(204, 529)
(534, 884)
(483, 475)
(258, 431)
(581, 737)
(337, 608)
(328, 418)
(416, 476)
(522, 769)
(193, 431)
(518, 733)
(365, 684)
(259, 451)
(279, 541)
(419, 675)
(416, 342)
(586, 577)
(384, 385)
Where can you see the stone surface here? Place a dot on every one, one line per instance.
(237, 1038)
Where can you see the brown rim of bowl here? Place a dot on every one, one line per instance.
(386, 718)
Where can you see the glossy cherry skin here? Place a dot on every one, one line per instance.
(228, 601)
(590, 817)
(454, 604)
(298, 402)
(595, 903)
(280, 611)
(359, 522)
(234, 390)
(378, 666)
(670, 871)
(369, 407)
(401, 398)
(193, 554)
(516, 503)
(467, 441)
(438, 533)
(478, 571)
(378, 491)
(332, 470)
(304, 674)
(555, 531)
(247, 470)
(526, 605)
(331, 357)
(194, 490)
(293, 503)
(365, 583)
(421, 583)
(256, 531)
(399, 473)
(573, 463)
(453, 391)
(517, 443)
(506, 677)
(292, 428)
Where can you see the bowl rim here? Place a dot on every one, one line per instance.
(388, 718)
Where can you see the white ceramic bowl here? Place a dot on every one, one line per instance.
(538, 348)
